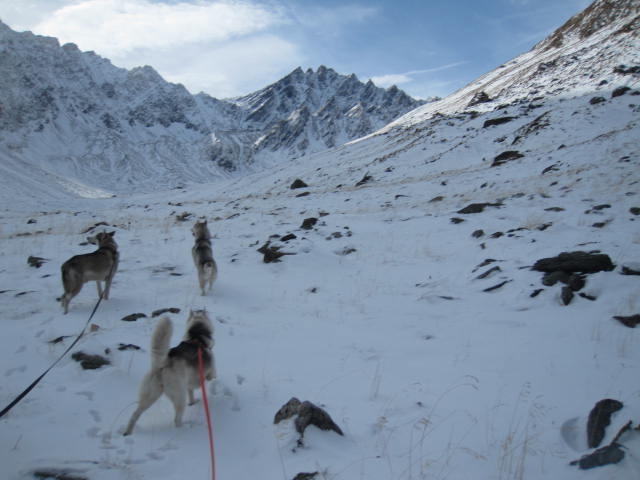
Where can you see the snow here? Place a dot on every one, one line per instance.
(427, 374)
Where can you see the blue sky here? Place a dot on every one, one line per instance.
(228, 48)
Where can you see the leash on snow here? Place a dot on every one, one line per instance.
(206, 411)
(37, 380)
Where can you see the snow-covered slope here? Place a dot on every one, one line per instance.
(576, 58)
(421, 329)
(78, 117)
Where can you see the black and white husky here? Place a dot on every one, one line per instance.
(175, 371)
(203, 256)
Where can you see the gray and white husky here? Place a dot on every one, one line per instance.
(203, 256)
(175, 371)
(100, 266)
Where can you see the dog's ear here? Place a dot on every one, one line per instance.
(111, 234)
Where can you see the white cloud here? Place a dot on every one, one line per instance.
(116, 27)
(408, 77)
(391, 79)
(232, 69)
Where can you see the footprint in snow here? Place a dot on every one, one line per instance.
(11, 371)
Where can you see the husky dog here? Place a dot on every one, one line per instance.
(100, 266)
(175, 372)
(203, 256)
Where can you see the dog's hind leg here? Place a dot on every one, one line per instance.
(150, 391)
(176, 390)
(107, 284)
(99, 288)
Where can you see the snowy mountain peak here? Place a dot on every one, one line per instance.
(600, 14)
(76, 115)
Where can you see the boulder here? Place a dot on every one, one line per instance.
(573, 262)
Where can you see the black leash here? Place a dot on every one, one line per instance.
(37, 380)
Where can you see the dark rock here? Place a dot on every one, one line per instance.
(497, 234)
(477, 233)
(620, 91)
(484, 263)
(635, 210)
(566, 295)
(536, 292)
(497, 121)
(439, 198)
(272, 253)
(346, 251)
(36, 262)
(578, 261)
(504, 157)
(457, 220)
(310, 414)
(288, 237)
(573, 281)
(550, 168)
(485, 274)
(544, 226)
(367, 178)
(630, 321)
(624, 70)
(160, 311)
(58, 474)
(587, 297)
(297, 183)
(128, 346)
(599, 419)
(478, 98)
(597, 100)
(551, 278)
(477, 207)
(626, 270)
(308, 223)
(603, 456)
(306, 476)
(90, 362)
(58, 339)
(554, 209)
(288, 410)
(133, 317)
(303, 194)
(496, 287)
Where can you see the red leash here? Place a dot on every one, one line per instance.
(206, 410)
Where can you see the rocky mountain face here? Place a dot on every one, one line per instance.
(74, 114)
(320, 108)
(597, 46)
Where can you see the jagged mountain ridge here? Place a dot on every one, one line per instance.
(338, 108)
(74, 114)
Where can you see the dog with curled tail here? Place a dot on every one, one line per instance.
(175, 371)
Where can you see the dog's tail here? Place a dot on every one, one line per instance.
(160, 343)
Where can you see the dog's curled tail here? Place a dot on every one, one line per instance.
(160, 343)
